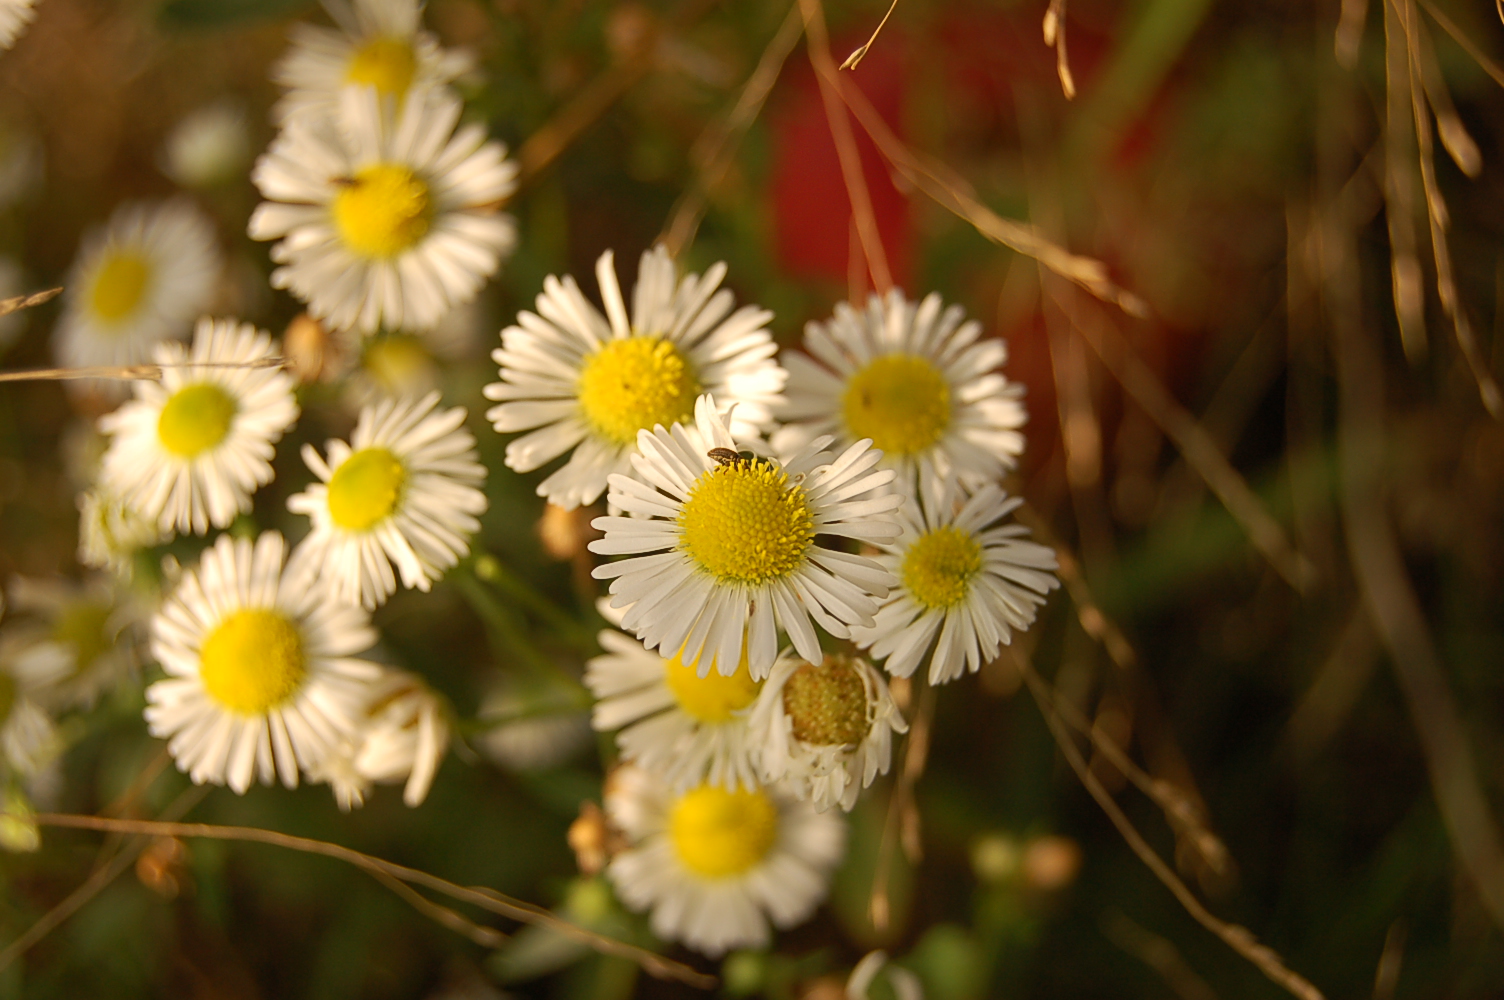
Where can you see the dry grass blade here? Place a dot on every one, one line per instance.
(488, 899)
(1140, 382)
(148, 372)
(952, 193)
(1454, 135)
(1237, 937)
(855, 59)
(16, 304)
(1159, 954)
(1450, 27)
(486, 937)
(1399, 192)
(1446, 288)
(713, 152)
(828, 78)
(1350, 32)
(1054, 37)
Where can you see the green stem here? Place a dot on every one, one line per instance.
(493, 571)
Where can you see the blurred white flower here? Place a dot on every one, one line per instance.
(209, 146)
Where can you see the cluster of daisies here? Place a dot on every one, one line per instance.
(788, 537)
(795, 531)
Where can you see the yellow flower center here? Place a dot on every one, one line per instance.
(900, 401)
(386, 63)
(827, 705)
(383, 210)
(253, 661)
(718, 834)
(938, 567)
(83, 626)
(635, 384)
(195, 419)
(119, 285)
(400, 364)
(714, 697)
(744, 523)
(365, 489)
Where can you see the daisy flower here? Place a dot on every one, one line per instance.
(29, 740)
(111, 532)
(714, 865)
(190, 449)
(402, 493)
(827, 729)
(962, 576)
(916, 380)
(143, 278)
(379, 44)
(15, 15)
(384, 219)
(402, 736)
(688, 728)
(82, 637)
(579, 380)
(725, 550)
(260, 680)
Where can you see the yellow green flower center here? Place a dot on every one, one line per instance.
(938, 567)
(745, 523)
(83, 626)
(827, 705)
(195, 419)
(119, 285)
(383, 210)
(386, 63)
(714, 697)
(253, 661)
(900, 401)
(365, 489)
(635, 384)
(718, 834)
(400, 364)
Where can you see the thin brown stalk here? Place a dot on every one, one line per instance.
(486, 937)
(1453, 134)
(488, 899)
(1450, 27)
(1237, 937)
(829, 81)
(1350, 32)
(1054, 37)
(1094, 622)
(713, 152)
(951, 192)
(1198, 447)
(901, 825)
(149, 372)
(855, 59)
(1159, 954)
(19, 302)
(1399, 192)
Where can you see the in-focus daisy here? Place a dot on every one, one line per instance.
(916, 380)
(580, 380)
(384, 219)
(143, 278)
(260, 679)
(379, 43)
(689, 728)
(402, 735)
(827, 730)
(190, 449)
(111, 532)
(15, 15)
(963, 578)
(75, 639)
(724, 548)
(402, 493)
(716, 865)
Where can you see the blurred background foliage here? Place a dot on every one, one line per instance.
(1205, 146)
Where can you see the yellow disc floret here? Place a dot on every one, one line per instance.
(195, 419)
(745, 523)
(383, 210)
(365, 489)
(386, 63)
(718, 834)
(715, 697)
(827, 705)
(253, 661)
(900, 401)
(634, 384)
(119, 285)
(938, 567)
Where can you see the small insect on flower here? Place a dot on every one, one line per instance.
(725, 456)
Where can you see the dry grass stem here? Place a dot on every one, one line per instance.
(1159, 954)
(855, 59)
(1237, 937)
(951, 192)
(1350, 32)
(488, 899)
(902, 823)
(1450, 27)
(486, 937)
(1054, 37)
(1198, 447)
(716, 147)
(19, 302)
(148, 372)
(828, 78)
(1399, 192)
